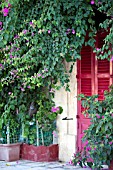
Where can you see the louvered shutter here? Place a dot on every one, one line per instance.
(85, 86)
(93, 77)
(102, 74)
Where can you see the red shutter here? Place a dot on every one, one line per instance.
(94, 77)
(102, 76)
(85, 86)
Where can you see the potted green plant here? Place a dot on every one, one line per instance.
(40, 132)
(9, 140)
(98, 138)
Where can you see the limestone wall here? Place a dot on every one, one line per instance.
(67, 128)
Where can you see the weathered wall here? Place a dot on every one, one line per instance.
(67, 128)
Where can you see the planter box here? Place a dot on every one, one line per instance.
(10, 152)
(39, 153)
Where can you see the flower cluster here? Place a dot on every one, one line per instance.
(70, 31)
(6, 10)
(55, 109)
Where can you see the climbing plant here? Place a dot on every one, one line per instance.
(44, 33)
(36, 38)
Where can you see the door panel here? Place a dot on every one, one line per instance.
(85, 83)
(93, 77)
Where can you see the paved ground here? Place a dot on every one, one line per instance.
(29, 165)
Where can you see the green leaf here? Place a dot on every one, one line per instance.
(90, 164)
(100, 109)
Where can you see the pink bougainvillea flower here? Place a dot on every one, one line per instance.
(49, 31)
(9, 5)
(39, 75)
(86, 142)
(98, 116)
(99, 2)
(55, 109)
(12, 49)
(98, 49)
(31, 23)
(16, 36)
(5, 11)
(11, 73)
(112, 114)
(54, 134)
(46, 70)
(92, 2)
(73, 31)
(88, 148)
(17, 49)
(68, 29)
(32, 34)
(107, 136)
(24, 31)
(70, 162)
(102, 117)
(52, 91)
(22, 89)
(0, 23)
(0, 65)
(84, 166)
(28, 87)
(5, 14)
(110, 143)
(111, 58)
(11, 56)
(10, 93)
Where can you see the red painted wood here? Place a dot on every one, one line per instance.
(85, 85)
(39, 153)
(93, 77)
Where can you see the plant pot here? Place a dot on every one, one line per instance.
(39, 153)
(10, 152)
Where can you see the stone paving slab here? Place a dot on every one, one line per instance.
(30, 165)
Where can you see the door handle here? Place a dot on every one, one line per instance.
(65, 118)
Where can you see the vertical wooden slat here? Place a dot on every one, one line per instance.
(111, 72)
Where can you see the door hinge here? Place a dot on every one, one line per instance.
(77, 116)
(78, 125)
(78, 148)
(77, 76)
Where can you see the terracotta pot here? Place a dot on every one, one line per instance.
(10, 152)
(39, 153)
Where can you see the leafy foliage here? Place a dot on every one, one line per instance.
(98, 138)
(36, 38)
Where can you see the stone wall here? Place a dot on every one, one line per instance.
(67, 129)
